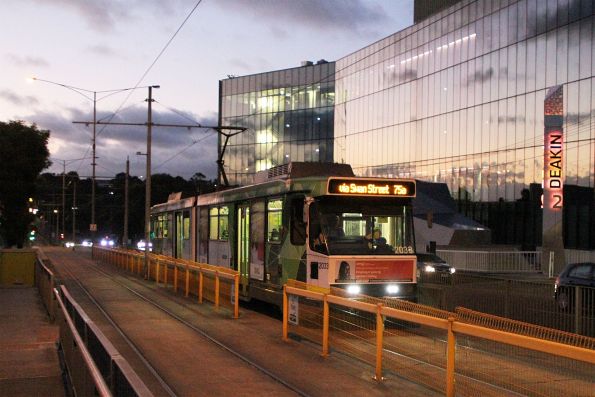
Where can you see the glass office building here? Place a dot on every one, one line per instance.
(459, 98)
(289, 115)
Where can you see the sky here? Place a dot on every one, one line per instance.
(102, 45)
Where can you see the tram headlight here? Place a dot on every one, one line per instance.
(354, 289)
(392, 289)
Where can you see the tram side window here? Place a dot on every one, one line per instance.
(186, 223)
(159, 225)
(164, 226)
(219, 223)
(274, 221)
(298, 226)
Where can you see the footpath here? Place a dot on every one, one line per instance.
(29, 364)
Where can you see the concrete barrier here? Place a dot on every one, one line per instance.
(17, 267)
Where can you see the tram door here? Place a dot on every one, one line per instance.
(179, 245)
(243, 253)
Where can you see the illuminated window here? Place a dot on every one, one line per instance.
(219, 223)
(214, 223)
(223, 223)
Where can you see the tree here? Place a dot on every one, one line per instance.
(23, 155)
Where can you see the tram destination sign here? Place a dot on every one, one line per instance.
(371, 187)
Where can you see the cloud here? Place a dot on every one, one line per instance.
(255, 64)
(103, 51)
(176, 151)
(355, 16)
(16, 99)
(105, 15)
(27, 61)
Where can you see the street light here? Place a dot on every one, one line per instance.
(85, 93)
(57, 223)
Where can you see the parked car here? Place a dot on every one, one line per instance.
(575, 275)
(429, 265)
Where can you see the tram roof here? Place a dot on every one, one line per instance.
(307, 177)
(311, 185)
(173, 205)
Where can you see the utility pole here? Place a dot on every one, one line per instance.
(63, 197)
(74, 211)
(93, 226)
(148, 184)
(125, 238)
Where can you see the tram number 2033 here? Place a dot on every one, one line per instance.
(404, 250)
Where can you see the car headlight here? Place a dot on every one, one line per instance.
(452, 270)
(392, 289)
(354, 289)
(103, 242)
(111, 243)
(429, 269)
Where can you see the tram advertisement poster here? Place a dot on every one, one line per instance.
(293, 314)
(400, 269)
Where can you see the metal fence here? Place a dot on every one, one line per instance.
(206, 282)
(510, 261)
(45, 282)
(94, 365)
(476, 354)
(578, 256)
(528, 301)
(493, 261)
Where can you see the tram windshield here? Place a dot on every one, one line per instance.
(356, 226)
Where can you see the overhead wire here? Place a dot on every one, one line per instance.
(131, 90)
(194, 140)
(155, 60)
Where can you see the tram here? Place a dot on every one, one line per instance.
(311, 222)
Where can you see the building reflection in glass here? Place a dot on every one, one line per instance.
(289, 113)
(458, 98)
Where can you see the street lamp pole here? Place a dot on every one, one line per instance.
(74, 211)
(125, 237)
(93, 227)
(63, 194)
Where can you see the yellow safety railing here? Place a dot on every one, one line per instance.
(451, 325)
(168, 271)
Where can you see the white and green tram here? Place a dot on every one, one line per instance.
(311, 222)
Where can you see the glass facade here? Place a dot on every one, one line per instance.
(289, 115)
(459, 98)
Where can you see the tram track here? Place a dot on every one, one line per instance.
(169, 390)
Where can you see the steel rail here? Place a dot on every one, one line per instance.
(168, 389)
(201, 332)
